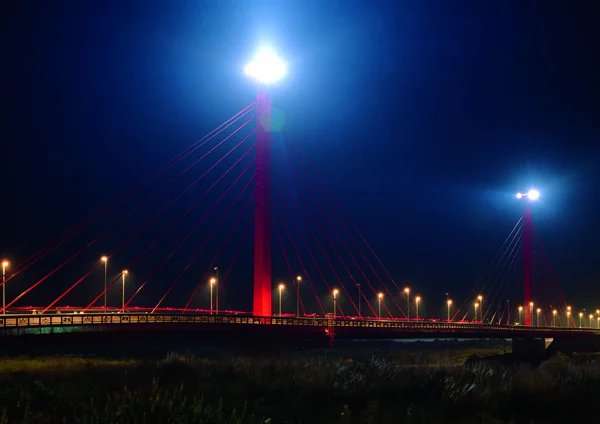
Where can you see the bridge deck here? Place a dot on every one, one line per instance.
(342, 327)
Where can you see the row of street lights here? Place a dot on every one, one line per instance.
(213, 282)
(123, 274)
(568, 315)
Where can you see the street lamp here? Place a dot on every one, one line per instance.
(569, 316)
(105, 260)
(5, 265)
(125, 272)
(298, 280)
(580, 319)
(591, 317)
(480, 299)
(407, 291)
(476, 306)
(521, 314)
(538, 316)
(449, 303)
(531, 313)
(281, 287)
(554, 312)
(359, 300)
(216, 269)
(212, 282)
(334, 294)
(379, 297)
(417, 301)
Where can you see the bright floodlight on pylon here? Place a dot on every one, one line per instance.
(266, 67)
(533, 194)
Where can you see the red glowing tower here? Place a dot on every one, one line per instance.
(529, 197)
(265, 69)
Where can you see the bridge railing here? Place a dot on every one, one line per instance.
(98, 319)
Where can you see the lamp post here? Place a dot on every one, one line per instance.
(217, 287)
(480, 300)
(449, 303)
(580, 319)
(407, 291)
(298, 280)
(521, 314)
(125, 272)
(538, 311)
(105, 260)
(5, 265)
(591, 318)
(211, 283)
(569, 316)
(281, 287)
(379, 298)
(530, 314)
(554, 312)
(359, 299)
(417, 301)
(265, 69)
(529, 197)
(334, 294)
(476, 305)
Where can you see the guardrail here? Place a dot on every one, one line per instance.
(96, 319)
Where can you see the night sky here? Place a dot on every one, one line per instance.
(423, 117)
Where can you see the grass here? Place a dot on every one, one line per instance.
(389, 387)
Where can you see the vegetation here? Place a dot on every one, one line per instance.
(401, 387)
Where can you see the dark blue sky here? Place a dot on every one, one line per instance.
(423, 117)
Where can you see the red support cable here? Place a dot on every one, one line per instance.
(508, 279)
(558, 296)
(547, 258)
(339, 259)
(279, 214)
(137, 232)
(305, 270)
(331, 196)
(503, 279)
(173, 224)
(501, 276)
(501, 252)
(312, 234)
(495, 273)
(215, 228)
(292, 278)
(344, 245)
(200, 221)
(72, 232)
(218, 253)
(235, 255)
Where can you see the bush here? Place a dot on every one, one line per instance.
(311, 389)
